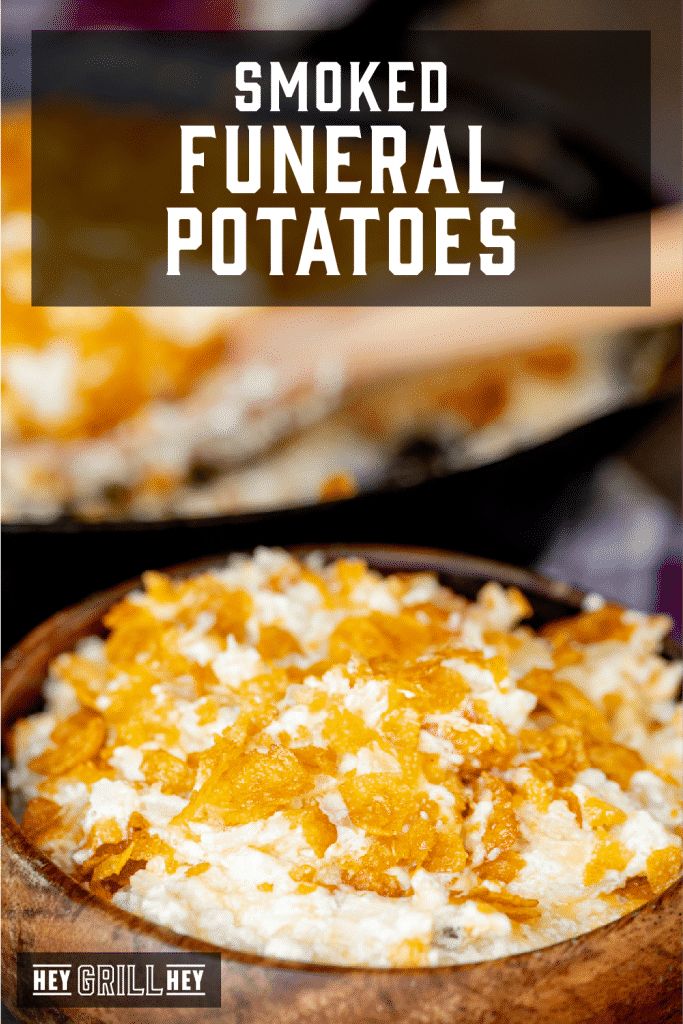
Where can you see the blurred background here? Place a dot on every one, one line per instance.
(136, 438)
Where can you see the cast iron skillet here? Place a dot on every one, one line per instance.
(506, 509)
(623, 973)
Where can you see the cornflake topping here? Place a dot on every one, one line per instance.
(317, 762)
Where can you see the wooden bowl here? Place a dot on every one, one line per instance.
(627, 971)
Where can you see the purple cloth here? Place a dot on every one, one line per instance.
(625, 545)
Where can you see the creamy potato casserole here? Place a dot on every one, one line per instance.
(113, 413)
(315, 762)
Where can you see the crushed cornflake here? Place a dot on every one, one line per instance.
(321, 763)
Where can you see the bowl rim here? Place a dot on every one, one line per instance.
(535, 585)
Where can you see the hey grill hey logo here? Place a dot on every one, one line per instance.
(118, 979)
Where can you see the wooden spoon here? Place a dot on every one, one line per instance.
(372, 342)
